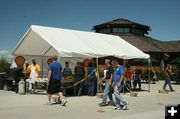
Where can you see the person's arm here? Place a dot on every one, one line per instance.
(70, 72)
(121, 79)
(104, 77)
(121, 72)
(75, 70)
(49, 77)
(38, 70)
(169, 69)
(86, 72)
(111, 79)
(140, 74)
(49, 74)
(112, 75)
(29, 69)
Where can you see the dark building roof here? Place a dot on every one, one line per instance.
(144, 43)
(148, 44)
(122, 23)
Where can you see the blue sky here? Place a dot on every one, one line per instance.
(17, 15)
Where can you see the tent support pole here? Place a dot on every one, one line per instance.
(43, 60)
(149, 80)
(97, 65)
(124, 65)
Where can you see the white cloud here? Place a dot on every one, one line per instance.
(6, 55)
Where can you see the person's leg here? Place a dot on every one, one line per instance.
(92, 87)
(60, 94)
(49, 97)
(80, 89)
(117, 101)
(119, 95)
(165, 83)
(62, 99)
(139, 83)
(75, 90)
(110, 94)
(89, 87)
(106, 92)
(129, 84)
(49, 91)
(135, 83)
(169, 83)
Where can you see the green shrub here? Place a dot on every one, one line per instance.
(4, 65)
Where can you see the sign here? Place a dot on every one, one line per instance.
(20, 60)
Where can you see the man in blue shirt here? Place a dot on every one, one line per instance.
(118, 86)
(54, 81)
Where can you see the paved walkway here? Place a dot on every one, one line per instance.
(145, 106)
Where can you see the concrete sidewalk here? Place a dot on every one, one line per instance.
(32, 106)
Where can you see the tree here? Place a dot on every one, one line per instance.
(4, 65)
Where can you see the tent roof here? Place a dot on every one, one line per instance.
(48, 41)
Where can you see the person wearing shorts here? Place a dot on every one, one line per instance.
(54, 81)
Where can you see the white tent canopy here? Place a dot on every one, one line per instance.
(48, 41)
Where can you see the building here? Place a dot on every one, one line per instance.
(137, 35)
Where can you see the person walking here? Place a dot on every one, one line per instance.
(167, 81)
(108, 81)
(54, 81)
(120, 102)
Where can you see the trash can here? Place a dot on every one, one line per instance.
(2, 80)
(21, 87)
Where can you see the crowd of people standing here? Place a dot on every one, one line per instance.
(115, 79)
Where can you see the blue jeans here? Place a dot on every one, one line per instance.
(91, 86)
(119, 100)
(107, 91)
(79, 87)
(167, 81)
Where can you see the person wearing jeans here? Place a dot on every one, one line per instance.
(108, 76)
(118, 81)
(79, 75)
(91, 79)
(167, 80)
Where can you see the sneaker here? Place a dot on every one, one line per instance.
(102, 104)
(49, 103)
(116, 108)
(63, 102)
(125, 106)
(172, 90)
(111, 103)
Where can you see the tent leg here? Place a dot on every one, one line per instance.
(124, 65)
(97, 64)
(149, 80)
(42, 75)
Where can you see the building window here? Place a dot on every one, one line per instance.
(107, 30)
(115, 30)
(137, 31)
(126, 30)
(120, 30)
